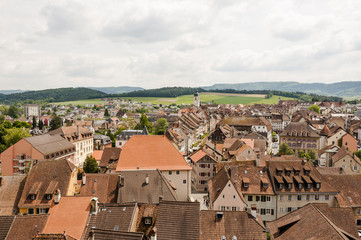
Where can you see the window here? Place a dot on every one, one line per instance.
(223, 196)
(282, 198)
(234, 208)
(308, 197)
(299, 197)
(281, 209)
(358, 222)
(43, 210)
(357, 211)
(223, 208)
(170, 172)
(48, 196)
(184, 181)
(268, 198)
(257, 198)
(147, 221)
(289, 197)
(268, 211)
(327, 197)
(263, 211)
(32, 196)
(250, 198)
(30, 210)
(289, 209)
(177, 172)
(317, 197)
(263, 198)
(234, 196)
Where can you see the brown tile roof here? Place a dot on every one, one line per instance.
(315, 221)
(97, 154)
(41, 176)
(349, 187)
(325, 131)
(312, 177)
(217, 183)
(343, 152)
(151, 152)
(109, 156)
(300, 129)
(136, 190)
(25, 227)
(246, 121)
(178, 220)
(233, 223)
(10, 191)
(100, 234)
(5, 225)
(102, 186)
(147, 211)
(48, 144)
(71, 133)
(70, 215)
(113, 217)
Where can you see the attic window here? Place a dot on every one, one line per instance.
(245, 181)
(32, 196)
(48, 196)
(318, 185)
(147, 221)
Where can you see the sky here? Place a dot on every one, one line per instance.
(150, 44)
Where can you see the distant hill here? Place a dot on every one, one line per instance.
(12, 91)
(117, 90)
(342, 89)
(54, 95)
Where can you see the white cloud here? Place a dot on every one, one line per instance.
(186, 43)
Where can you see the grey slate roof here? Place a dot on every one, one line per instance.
(136, 190)
(47, 144)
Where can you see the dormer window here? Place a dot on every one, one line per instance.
(246, 185)
(318, 185)
(308, 185)
(289, 185)
(32, 196)
(48, 196)
(147, 221)
(280, 185)
(299, 185)
(265, 185)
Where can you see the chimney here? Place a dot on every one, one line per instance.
(57, 196)
(147, 179)
(254, 210)
(121, 180)
(83, 178)
(91, 235)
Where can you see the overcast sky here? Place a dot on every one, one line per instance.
(50, 44)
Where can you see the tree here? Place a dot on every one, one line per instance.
(56, 122)
(314, 108)
(312, 154)
(90, 165)
(7, 124)
(14, 135)
(106, 113)
(21, 124)
(34, 122)
(13, 111)
(2, 119)
(144, 123)
(40, 124)
(162, 126)
(285, 150)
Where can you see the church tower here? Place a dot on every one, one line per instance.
(197, 100)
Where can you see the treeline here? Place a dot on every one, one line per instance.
(52, 95)
(170, 92)
(167, 92)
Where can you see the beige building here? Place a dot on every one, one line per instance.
(297, 183)
(32, 110)
(81, 137)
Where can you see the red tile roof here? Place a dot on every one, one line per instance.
(150, 152)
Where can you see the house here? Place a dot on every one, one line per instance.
(255, 185)
(125, 135)
(203, 169)
(349, 142)
(223, 194)
(217, 225)
(300, 136)
(349, 193)
(102, 142)
(17, 159)
(32, 110)
(347, 161)
(315, 221)
(69, 216)
(178, 220)
(46, 182)
(297, 183)
(157, 152)
(325, 155)
(109, 160)
(145, 186)
(81, 137)
(11, 188)
(113, 219)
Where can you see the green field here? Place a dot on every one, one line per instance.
(188, 99)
